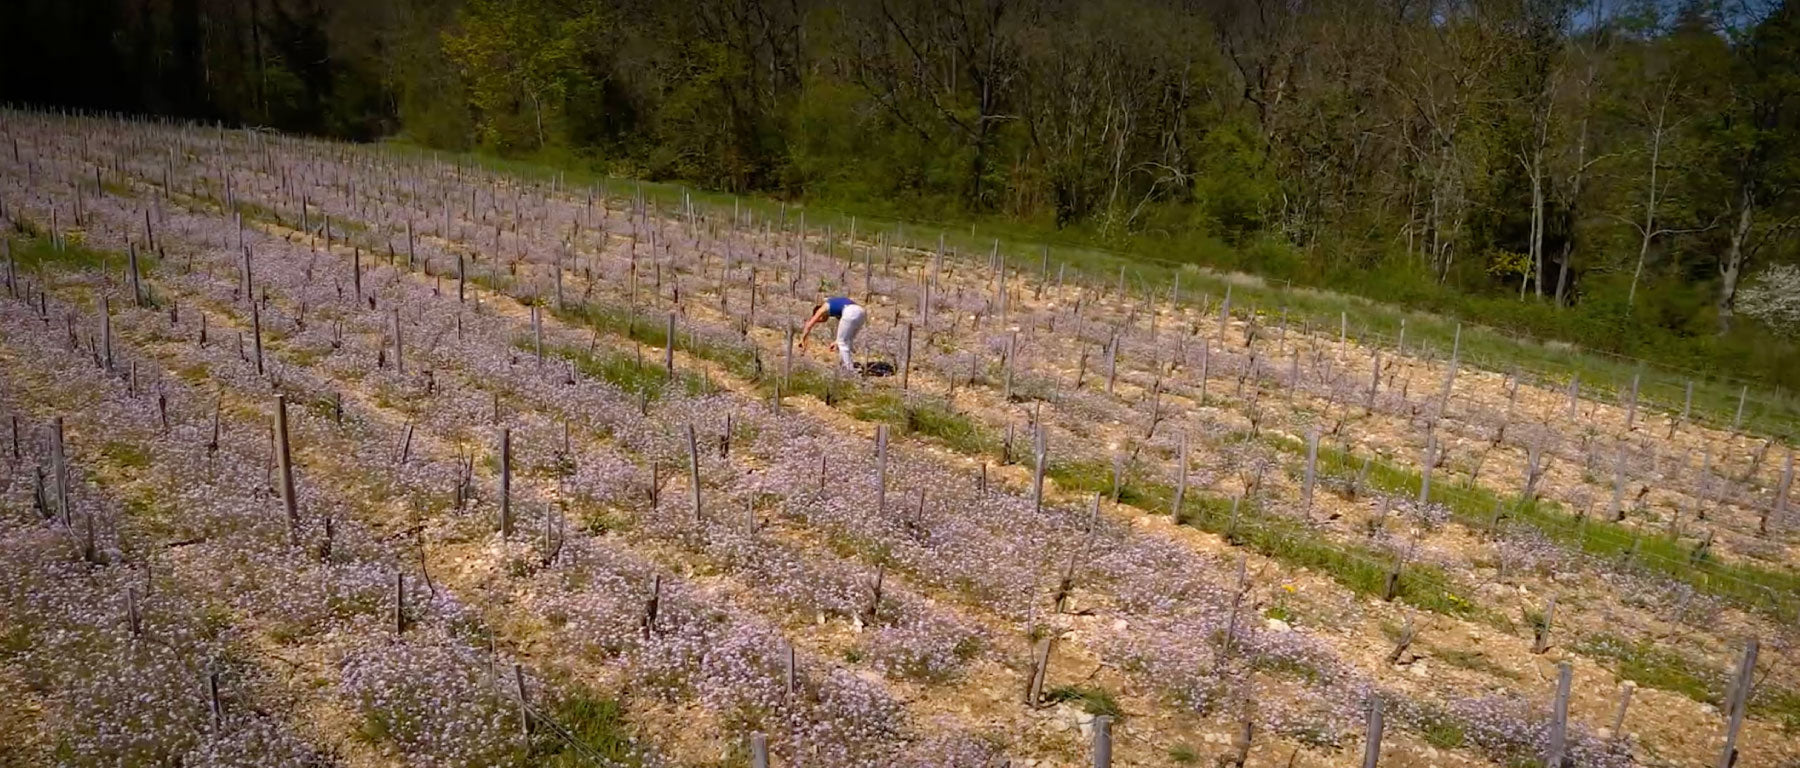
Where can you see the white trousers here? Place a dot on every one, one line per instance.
(849, 325)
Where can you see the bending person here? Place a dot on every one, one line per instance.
(849, 315)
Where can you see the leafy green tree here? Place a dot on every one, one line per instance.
(1757, 136)
(520, 60)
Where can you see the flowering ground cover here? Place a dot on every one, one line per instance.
(323, 454)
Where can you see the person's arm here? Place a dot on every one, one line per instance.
(817, 317)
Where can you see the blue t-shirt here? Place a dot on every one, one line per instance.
(834, 306)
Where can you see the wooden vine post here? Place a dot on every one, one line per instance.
(106, 335)
(1778, 508)
(248, 286)
(881, 465)
(1425, 468)
(1040, 669)
(1372, 737)
(1557, 751)
(790, 671)
(1540, 630)
(1103, 741)
(214, 704)
(59, 459)
(1617, 509)
(759, 751)
(137, 289)
(537, 333)
(694, 469)
(669, 347)
(524, 704)
(1205, 362)
(256, 330)
(1112, 363)
(1534, 469)
(1407, 634)
(1374, 381)
(1390, 585)
(1736, 701)
(1237, 600)
(1450, 375)
(787, 362)
(1007, 372)
(285, 466)
(1618, 724)
(399, 603)
(652, 605)
(1181, 478)
(1241, 743)
(1312, 466)
(906, 357)
(1631, 405)
(399, 347)
(506, 482)
(134, 617)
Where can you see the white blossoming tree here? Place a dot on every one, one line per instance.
(1773, 298)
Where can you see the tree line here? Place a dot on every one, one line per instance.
(1620, 173)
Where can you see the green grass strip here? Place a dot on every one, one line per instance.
(35, 253)
(620, 369)
(1363, 570)
(1774, 592)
